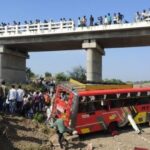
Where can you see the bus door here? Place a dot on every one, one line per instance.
(62, 104)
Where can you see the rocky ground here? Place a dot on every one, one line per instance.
(19, 133)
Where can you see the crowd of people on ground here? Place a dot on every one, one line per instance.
(17, 100)
(116, 18)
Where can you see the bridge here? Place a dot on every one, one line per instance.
(17, 40)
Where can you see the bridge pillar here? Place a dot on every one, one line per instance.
(12, 65)
(94, 60)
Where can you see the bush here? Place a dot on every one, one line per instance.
(39, 117)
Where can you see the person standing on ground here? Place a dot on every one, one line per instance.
(60, 127)
(12, 96)
(20, 95)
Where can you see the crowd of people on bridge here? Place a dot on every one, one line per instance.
(142, 16)
(116, 18)
(108, 19)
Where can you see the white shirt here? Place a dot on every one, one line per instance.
(12, 94)
(48, 112)
(20, 94)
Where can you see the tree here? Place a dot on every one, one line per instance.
(61, 77)
(114, 81)
(78, 73)
(48, 74)
(29, 73)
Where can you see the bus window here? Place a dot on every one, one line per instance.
(133, 94)
(126, 102)
(98, 102)
(105, 104)
(91, 104)
(82, 104)
(111, 96)
(116, 103)
(143, 100)
(143, 94)
(64, 96)
(87, 104)
(123, 95)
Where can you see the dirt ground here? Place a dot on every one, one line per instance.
(18, 133)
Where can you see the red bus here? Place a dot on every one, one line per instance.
(95, 110)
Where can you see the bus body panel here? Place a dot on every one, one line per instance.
(109, 106)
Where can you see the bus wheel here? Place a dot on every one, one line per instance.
(112, 128)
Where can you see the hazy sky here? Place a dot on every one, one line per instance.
(123, 63)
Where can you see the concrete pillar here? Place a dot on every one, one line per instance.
(12, 65)
(94, 60)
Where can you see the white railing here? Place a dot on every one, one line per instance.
(36, 28)
(62, 27)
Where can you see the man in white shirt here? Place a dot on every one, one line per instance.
(12, 96)
(20, 95)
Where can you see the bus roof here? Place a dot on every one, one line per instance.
(113, 91)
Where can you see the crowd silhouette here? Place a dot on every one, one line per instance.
(115, 18)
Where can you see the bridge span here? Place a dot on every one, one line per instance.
(17, 40)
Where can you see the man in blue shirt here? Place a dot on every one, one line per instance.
(60, 127)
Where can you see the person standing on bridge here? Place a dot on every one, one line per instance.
(91, 20)
(79, 22)
(115, 18)
(109, 19)
(137, 17)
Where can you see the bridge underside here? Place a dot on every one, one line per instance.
(69, 41)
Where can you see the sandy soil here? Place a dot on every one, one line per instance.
(24, 134)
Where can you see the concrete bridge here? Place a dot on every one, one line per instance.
(17, 40)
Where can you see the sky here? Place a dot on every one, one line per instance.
(127, 64)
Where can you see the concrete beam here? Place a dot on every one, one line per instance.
(94, 60)
(92, 44)
(12, 65)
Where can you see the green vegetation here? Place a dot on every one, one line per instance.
(115, 81)
(78, 73)
(39, 117)
(61, 77)
(29, 73)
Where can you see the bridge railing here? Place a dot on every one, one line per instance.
(63, 26)
(36, 28)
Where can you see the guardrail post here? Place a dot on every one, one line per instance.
(27, 28)
(38, 27)
(49, 26)
(73, 24)
(6, 31)
(61, 25)
(16, 29)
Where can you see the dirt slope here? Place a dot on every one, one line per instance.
(24, 134)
